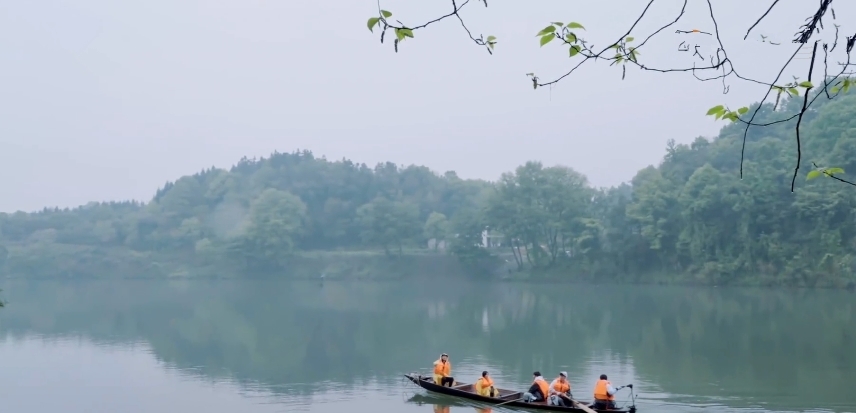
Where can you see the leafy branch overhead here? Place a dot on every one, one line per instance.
(624, 51)
(833, 173)
(403, 31)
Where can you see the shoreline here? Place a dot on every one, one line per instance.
(69, 261)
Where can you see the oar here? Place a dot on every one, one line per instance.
(515, 400)
(583, 407)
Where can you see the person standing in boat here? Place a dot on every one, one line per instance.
(539, 389)
(443, 371)
(484, 386)
(560, 391)
(604, 394)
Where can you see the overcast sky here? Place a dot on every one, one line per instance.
(107, 100)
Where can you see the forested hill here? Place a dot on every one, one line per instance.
(691, 219)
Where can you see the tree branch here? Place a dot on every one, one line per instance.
(719, 61)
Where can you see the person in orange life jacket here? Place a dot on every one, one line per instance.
(484, 386)
(560, 391)
(443, 371)
(604, 394)
(539, 389)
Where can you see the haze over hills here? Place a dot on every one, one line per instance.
(690, 219)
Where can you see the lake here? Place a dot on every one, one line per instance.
(275, 346)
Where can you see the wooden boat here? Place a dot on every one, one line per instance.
(508, 398)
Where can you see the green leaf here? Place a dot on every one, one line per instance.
(560, 24)
(793, 91)
(546, 30)
(547, 38)
(834, 171)
(491, 38)
(399, 34)
(574, 50)
(372, 23)
(406, 33)
(714, 110)
(629, 39)
(812, 174)
(571, 38)
(806, 84)
(835, 89)
(719, 115)
(575, 25)
(731, 116)
(742, 110)
(385, 14)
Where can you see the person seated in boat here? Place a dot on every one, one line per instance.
(560, 391)
(539, 389)
(604, 394)
(484, 386)
(443, 371)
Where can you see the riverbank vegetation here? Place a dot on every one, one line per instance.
(689, 219)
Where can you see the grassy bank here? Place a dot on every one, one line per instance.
(692, 277)
(56, 260)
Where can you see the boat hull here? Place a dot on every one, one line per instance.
(508, 398)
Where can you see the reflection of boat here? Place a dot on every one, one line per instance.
(441, 409)
(509, 398)
(442, 404)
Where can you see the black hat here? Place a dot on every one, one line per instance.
(537, 373)
(484, 373)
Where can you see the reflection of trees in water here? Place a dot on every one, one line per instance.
(279, 333)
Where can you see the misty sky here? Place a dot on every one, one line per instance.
(107, 100)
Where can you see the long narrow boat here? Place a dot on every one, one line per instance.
(508, 398)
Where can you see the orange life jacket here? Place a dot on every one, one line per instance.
(544, 386)
(444, 368)
(561, 386)
(600, 392)
(484, 383)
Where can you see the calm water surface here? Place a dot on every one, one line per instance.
(275, 346)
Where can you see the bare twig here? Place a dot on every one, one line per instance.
(802, 112)
(761, 18)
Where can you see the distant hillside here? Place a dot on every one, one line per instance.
(690, 219)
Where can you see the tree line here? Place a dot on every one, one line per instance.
(689, 218)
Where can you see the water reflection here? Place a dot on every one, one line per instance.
(315, 344)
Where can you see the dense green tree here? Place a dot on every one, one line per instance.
(276, 223)
(388, 224)
(436, 228)
(542, 210)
